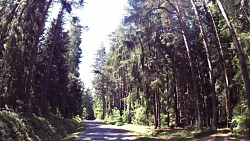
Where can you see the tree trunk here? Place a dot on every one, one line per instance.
(155, 109)
(33, 59)
(47, 76)
(211, 76)
(175, 92)
(158, 108)
(103, 103)
(227, 93)
(239, 53)
(121, 94)
(199, 124)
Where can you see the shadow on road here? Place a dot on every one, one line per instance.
(171, 139)
(96, 131)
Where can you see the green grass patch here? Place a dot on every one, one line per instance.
(147, 133)
(140, 130)
(16, 127)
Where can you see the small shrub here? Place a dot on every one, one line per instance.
(114, 119)
(98, 113)
(139, 116)
(240, 121)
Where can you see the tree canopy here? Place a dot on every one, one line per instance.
(39, 65)
(177, 63)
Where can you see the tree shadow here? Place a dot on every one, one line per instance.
(169, 139)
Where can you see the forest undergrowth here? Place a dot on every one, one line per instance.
(16, 127)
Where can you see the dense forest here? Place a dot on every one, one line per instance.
(177, 63)
(39, 57)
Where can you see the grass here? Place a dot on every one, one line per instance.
(16, 127)
(146, 133)
(74, 135)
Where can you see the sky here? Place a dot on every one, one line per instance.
(102, 17)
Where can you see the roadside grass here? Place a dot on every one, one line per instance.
(146, 133)
(143, 131)
(16, 127)
(74, 135)
(112, 121)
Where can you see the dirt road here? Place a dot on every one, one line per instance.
(96, 131)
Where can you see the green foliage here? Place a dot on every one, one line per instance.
(15, 127)
(127, 116)
(241, 123)
(88, 112)
(84, 112)
(25, 54)
(240, 120)
(115, 118)
(98, 113)
(139, 116)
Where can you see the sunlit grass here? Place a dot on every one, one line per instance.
(146, 133)
(139, 129)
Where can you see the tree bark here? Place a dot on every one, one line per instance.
(227, 93)
(199, 121)
(239, 53)
(33, 59)
(175, 92)
(47, 76)
(211, 76)
(103, 100)
(155, 109)
(158, 108)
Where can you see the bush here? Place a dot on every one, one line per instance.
(98, 113)
(115, 118)
(241, 123)
(139, 116)
(240, 120)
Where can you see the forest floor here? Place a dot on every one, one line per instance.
(146, 133)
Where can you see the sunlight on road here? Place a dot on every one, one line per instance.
(96, 131)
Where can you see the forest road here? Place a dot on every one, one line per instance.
(96, 131)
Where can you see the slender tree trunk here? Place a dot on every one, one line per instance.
(239, 53)
(158, 108)
(211, 76)
(33, 59)
(227, 93)
(155, 109)
(199, 121)
(121, 95)
(111, 106)
(103, 101)
(47, 76)
(175, 92)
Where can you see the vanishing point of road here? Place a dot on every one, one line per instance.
(96, 131)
